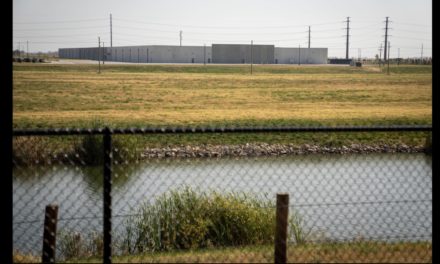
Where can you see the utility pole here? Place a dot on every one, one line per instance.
(386, 38)
(389, 46)
(421, 56)
(99, 59)
(19, 47)
(103, 52)
(204, 54)
(180, 38)
(398, 56)
(299, 54)
(309, 37)
(27, 48)
(359, 54)
(348, 34)
(380, 54)
(111, 32)
(252, 58)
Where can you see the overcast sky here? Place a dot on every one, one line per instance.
(51, 24)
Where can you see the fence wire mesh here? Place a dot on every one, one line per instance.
(217, 203)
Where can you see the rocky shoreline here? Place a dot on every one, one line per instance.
(264, 149)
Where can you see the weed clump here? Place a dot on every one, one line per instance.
(190, 220)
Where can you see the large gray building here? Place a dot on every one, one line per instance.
(239, 53)
(217, 53)
(301, 55)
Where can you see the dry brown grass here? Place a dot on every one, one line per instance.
(62, 98)
(22, 258)
(358, 252)
(355, 252)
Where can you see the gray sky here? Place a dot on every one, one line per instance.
(52, 24)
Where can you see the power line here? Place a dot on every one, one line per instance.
(55, 36)
(143, 36)
(224, 27)
(58, 42)
(60, 21)
(337, 37)
(413, 48)
(216, 33)
(44, 29)
(411, 31)
(411, 38)
(409, 24)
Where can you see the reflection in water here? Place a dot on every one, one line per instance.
(340, 196)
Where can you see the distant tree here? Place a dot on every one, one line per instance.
(17, 52)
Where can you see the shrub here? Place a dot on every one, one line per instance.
(188, 220)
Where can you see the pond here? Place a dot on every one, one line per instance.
(385, 197)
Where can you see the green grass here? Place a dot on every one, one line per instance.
(223, 69)
(189, 219)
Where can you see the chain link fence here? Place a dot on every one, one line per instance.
(217, 203)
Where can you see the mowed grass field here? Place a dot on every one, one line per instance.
(157, 95)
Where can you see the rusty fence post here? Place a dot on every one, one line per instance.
(107, 226)
(281, 228)
(49, 234)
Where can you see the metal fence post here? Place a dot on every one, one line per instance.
(49, 234)
(107, 196)
(281, 228)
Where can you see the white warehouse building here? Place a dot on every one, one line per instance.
(217, 53)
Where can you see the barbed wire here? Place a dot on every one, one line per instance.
(241, 209)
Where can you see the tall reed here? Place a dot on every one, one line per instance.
(189, 219)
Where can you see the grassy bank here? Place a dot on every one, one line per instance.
(129, 148)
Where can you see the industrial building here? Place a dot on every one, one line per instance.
(217, 53)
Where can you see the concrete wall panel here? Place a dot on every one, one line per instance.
(241, 53)
(218, 53)
(304, 56)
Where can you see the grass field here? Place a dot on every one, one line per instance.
(59, 95)
(130, 95)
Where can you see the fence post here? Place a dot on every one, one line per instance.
(49, 234)
(107, 196)
(281, 228)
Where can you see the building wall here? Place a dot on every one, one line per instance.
(241, 53)
(305, 55)
(218, 53)
(143, 54)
